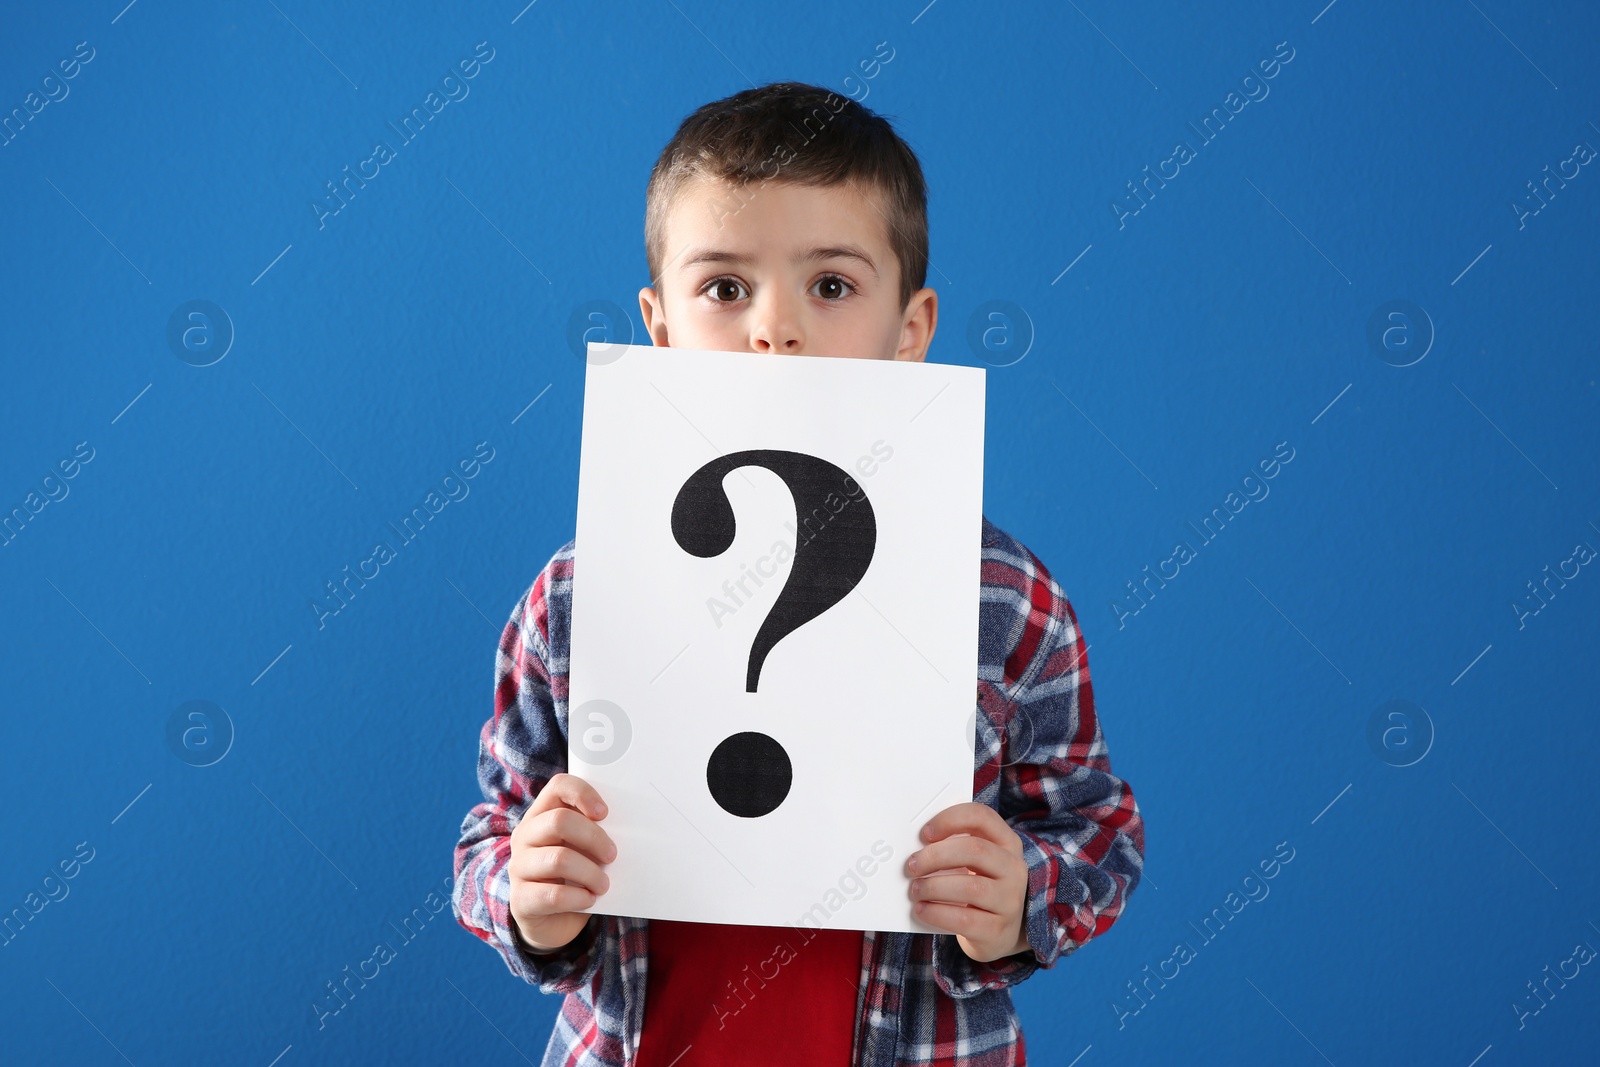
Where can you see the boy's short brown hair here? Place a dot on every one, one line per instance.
(798, 133)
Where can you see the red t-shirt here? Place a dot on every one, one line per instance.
(724, 993)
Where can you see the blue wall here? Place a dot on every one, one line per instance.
(1360, 212)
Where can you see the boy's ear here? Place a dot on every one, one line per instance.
(655, 322)
(917, 325)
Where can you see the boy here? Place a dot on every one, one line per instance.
(788, 219)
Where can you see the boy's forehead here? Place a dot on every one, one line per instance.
(712, 214)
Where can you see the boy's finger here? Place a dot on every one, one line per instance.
(978, 855)
(950, 889)
(571, 829)
(570, 791)
(556, 865)
(970, 818)
(952, 918)
(566, 898)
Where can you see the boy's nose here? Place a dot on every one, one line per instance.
(775, 328)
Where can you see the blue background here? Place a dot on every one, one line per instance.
(370, 355)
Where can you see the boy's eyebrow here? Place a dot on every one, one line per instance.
(718, 255)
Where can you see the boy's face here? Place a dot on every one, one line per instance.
(777, 267)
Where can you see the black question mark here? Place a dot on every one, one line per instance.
(749, 774)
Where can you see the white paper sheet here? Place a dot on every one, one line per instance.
(870, 702)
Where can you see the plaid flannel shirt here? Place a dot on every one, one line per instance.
(1039, 760)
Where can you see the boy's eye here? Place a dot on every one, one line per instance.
(723, 290)
(727, 289)
(832, 287)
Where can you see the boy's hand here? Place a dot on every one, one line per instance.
(972, 881)
(556, 852)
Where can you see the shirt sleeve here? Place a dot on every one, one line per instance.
(520, 748)
(1082, 833)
